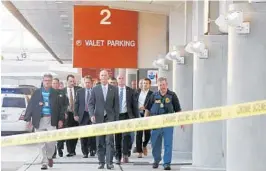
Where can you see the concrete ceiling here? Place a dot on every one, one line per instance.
(52, 20)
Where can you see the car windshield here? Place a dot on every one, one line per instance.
(26, 91)
(15, 102)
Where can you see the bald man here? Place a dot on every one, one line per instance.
(104, 107)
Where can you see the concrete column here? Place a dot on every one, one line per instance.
(246, 137)
(131, 74)
(168, 74)
(209, 90)
(180, 30)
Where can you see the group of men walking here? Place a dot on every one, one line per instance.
(109, 101)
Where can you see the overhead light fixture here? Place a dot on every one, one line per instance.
(233, 19)
(198, 48)
(160, 63)
(175, 56)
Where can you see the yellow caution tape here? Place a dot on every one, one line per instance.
(181, 118)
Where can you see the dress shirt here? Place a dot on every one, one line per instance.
(142, 97)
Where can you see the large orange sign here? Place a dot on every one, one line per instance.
(105, 38)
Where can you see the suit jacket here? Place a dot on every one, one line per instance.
(97, 105)
(146, 99)
(80, 103)
(76, 88)
(132, 105)
(34, 108)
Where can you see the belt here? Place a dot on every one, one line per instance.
(45, 115)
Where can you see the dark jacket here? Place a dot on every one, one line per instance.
(34, 108)
(66, 103)
(146, 99)
(80, 103)
(132, 105)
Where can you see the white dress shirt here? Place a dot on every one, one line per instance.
(106, 88)
(124, 101)
(142, 97)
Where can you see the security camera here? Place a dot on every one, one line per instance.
(175, 55)
(160, 63)
(198, 48)
(234, 19)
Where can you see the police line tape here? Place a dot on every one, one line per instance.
(175, 119)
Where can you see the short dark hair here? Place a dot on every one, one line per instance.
(48, 76)
(70, 75)
(113, 79)
(56, 79)
(88, 77)
(147, 79)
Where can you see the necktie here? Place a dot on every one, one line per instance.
(87, 99)
(121, 99)
(71, 100)
(104, 92)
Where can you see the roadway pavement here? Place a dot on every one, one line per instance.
(27, 158)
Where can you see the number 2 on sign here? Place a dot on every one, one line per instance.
(108, 15)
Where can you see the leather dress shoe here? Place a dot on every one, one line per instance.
(101, 166)
(92, 153)
(110, 166)
(70, 154)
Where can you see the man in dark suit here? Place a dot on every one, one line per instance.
(143, 96)
(62, 101)
(82, 116)
(45, 113)
(104, 107)
(71, 91)
(128, 109)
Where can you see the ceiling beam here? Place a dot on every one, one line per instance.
(15, 12)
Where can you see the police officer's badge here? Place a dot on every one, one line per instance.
(167, 100)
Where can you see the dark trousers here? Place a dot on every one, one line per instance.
(122, 141)
(59, 147)
(105, 147)
(88, 144)
(139, 142)
(71, 144)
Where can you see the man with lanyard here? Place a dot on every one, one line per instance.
(162, 102)
(45, 113)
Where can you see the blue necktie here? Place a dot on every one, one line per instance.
(121, 99)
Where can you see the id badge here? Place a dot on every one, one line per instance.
(161, 105)
(46, 104)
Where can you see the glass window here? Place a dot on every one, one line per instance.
(17, 102)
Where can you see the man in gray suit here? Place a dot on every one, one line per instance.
(104, 107)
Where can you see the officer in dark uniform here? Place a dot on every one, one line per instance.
(162, 102)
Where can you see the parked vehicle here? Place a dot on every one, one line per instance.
(12, 114)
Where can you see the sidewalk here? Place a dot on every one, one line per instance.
(77, 163)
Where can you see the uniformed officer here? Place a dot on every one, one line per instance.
(162, 102)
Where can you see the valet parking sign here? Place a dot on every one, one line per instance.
(104, 37)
